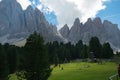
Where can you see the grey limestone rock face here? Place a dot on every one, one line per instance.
(17, 24)
(64, 31)
(75, 30)
(106, 32)
(112, 32)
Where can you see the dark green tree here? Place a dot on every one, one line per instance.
(3, 64)
(84, 52)
(56, 59)
(36, 61)
(61, 53)
(79, 47)
(95, 47)
(107, 51)
(12, 58)
(69, 51)
(50, 49)
(55, 53)
(118, 54)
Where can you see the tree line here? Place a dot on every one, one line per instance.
(33, 60)
(61, 53)
(30, 62)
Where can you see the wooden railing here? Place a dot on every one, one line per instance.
(114, 77)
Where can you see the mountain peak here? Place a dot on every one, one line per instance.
(106, 32)
(77, 21)
(89, 20)
(66, 26)
(21, 23)
(97, 21)
(64, 31)
(29, 7)
(107, 22)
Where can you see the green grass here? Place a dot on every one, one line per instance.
(80, 71)
(14, 77)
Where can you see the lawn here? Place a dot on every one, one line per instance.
(84, 71)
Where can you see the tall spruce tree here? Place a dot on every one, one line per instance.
(36, 62)
(12, 58)
(107, 51)
(95, 47)
(84, 52)
(79, 47)
(3, 64)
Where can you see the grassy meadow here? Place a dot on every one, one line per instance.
(82, 71)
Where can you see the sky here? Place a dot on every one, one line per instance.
(61, 12)
(112, 12)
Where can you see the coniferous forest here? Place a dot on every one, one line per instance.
(33, 60)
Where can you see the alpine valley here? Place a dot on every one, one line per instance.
(17, 24)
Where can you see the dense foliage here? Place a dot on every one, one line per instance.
(61, 53)
(34, 59)
(30, 62)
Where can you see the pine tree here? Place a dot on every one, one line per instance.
(107, 51)
(3, 64)
(95, 47)
(12, 58)
(84, 52)
(79, 47)
(36, 62)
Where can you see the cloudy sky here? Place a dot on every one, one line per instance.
(60, 12)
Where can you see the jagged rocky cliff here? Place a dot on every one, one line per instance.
(106, 32)
(16, 24)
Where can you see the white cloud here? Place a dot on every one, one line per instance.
(0, 0)
(67, 10)
(39, 7)
(24, 3)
